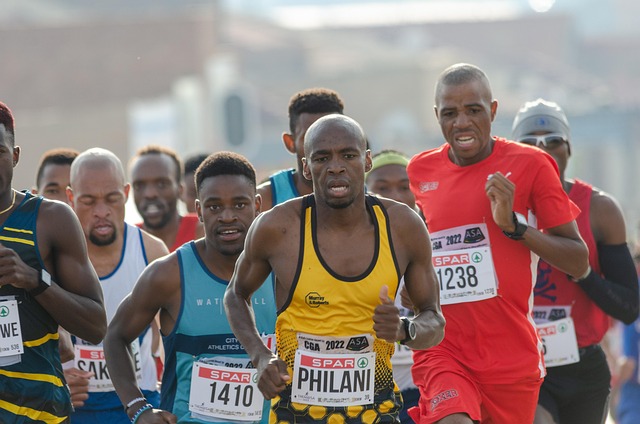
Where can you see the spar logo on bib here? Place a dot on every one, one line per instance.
(315, 299)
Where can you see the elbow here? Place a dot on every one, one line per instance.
(631, 316)
(96, 335)
(436, 333)
(440, 330)
(98, 331)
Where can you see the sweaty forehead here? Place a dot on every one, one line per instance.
(337, 130)
(468, 92)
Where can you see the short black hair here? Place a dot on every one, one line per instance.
(192, 162)
(462, 73)
(224, 163)
(6, 119)
(155, 149)
(313, 100)
(62, 156)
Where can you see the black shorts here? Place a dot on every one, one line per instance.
(578, 393)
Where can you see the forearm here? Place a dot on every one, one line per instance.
(121, 367)
(79, 315)
(243, 324)
(566, 254)
(429, 329)
(616, 293)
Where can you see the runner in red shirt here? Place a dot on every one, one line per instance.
(485, 201)
(577, 386)
(156, 178)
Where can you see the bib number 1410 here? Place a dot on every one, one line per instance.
(238, 396)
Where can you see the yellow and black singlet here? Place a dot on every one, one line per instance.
(32, 388)
(340, 371)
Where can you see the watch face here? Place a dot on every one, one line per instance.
(46, 277)
(521, 219)
(412, 330)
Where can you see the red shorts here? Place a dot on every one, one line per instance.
(447, 389)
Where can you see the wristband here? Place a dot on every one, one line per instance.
(44, 282)
(134, 401)
(140, 412)
(583, 276)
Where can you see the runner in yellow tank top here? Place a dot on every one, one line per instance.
(337, 322)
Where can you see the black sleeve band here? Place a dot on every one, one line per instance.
(617, 293)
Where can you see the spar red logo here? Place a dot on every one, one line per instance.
(332, 363)
(94, 355)
(228, 376)
(453, 259)
(547, 331)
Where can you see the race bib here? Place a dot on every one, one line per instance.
(270, 341)
(325, 344)
(463, 262)
(222, 392)
(547, 313)
(10, 333)
(91, 358)
(559, 342)
(333, 379)
(465, 275)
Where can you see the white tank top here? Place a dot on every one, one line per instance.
(119, 283)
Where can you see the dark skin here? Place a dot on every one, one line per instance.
(465, 112)
(606, 219)
(336, 161)
(225, 202)
(294, 143)
(74, 300)
(53, 185)
(153, 178)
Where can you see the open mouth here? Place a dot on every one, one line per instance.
(103, 229)
(338, 187)
(465, 141)
(229, 234)
(152, 209)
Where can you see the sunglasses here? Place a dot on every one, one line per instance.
(548, 141)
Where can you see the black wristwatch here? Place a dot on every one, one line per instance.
(409, 329)
(43, 283)
(521, 226)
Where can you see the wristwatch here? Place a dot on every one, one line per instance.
(409, 329)
(521, 226)
(43, 284)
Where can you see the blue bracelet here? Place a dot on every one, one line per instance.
(140, 411)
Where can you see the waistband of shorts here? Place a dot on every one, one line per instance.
(588, 349)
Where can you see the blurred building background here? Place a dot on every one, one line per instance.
(210, 75)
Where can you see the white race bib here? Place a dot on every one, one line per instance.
(464, 264)
(221, 392)
(333, 379)
(10, 333)
(360, 343)
(91, 358)
(548, 313)
(465, 275)
(559, 342)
